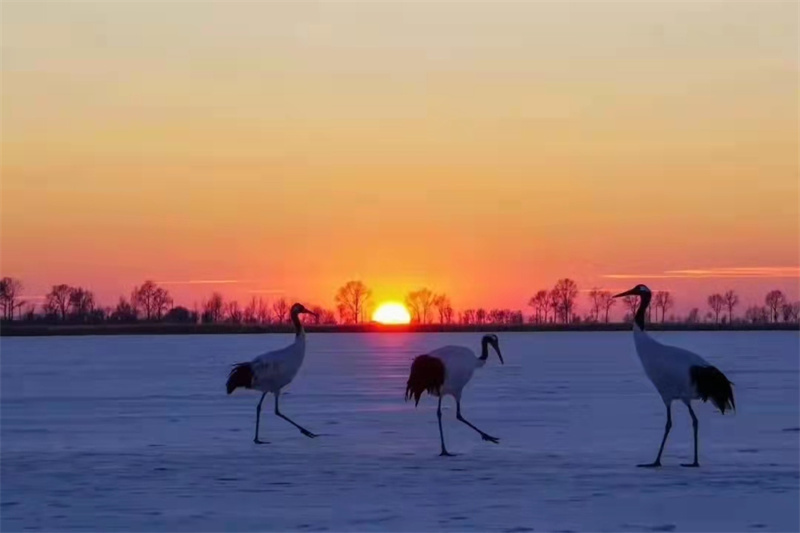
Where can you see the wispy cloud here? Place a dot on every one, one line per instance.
(713, 273)
(205, 282)
(266, 291)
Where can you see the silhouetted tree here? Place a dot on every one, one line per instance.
(81, 303)
(716, 302)
(756, 314)
(162, 302)
(420, 303)
(791, 311)
(123, 312)
(213, 309)
(731, 300)
(352, 300)
(663, 300)
(57, 301)
(442, 303)
(631, 302)
(694, 316)
(540, 306)
(10, 289)
(480, 315)
(607, 301)
(180, 315)
(596, 303)
(566, 290)
(153, 300)
(280, 309)
(774, 300)
(468, 316)
(554, 303)
(233, 312)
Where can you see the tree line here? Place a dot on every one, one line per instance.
(149, 302)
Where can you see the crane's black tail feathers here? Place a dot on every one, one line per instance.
(427, 374)
(711, 383)
(241, 376)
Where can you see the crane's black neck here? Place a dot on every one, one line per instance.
(484, 349)
(298, 326)
(640, 313)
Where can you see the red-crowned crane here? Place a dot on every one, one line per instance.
(272, 371)
(447, 370)
(677, 374)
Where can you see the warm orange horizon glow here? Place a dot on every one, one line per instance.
(391, 313)
(483, 150)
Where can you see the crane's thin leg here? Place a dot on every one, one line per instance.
(441, 433)
(303, 430)
(657, 462)
(258, 419)
(694, 426)
(484, 436)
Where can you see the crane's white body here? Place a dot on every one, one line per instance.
(459, 365)
(668, 367)
(272, 371)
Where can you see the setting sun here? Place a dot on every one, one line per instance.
(391, 313)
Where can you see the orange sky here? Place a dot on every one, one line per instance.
(482, 149)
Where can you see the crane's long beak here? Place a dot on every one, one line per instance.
(626, 293)
(497, 349)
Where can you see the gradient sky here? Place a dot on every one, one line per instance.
(483, 149)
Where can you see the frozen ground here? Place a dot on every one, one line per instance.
(137, 434)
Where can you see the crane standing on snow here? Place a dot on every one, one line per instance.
(678, 374)
(447, 370)
(272, 371)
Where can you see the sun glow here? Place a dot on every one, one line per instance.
(391, 313)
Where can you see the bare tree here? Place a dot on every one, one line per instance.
(757, 314)
(233, 312)
(540, 306)
(731, 300)
(263, 314)
(663, 300)
(10, 289)
(442, 304)
(352, 299)
(631, 302)
(716, 302)
(468, 316)
(607, 301)
(565, 292)
(57, 300)
(213, 308)
(123, 312)
(480, 315)
(596, 299)
(791, 311)
(774, 300)
(694, 316)
(81, 303)
(280, 308)
(162, 302)
(554, 303)
(249, 313)
(420, 303)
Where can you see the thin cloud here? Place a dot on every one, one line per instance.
(205, 282)
(716, 273)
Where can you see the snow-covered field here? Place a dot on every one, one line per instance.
(137, 434)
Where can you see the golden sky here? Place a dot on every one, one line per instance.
(484, 149)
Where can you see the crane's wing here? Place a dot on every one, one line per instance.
(270, 365)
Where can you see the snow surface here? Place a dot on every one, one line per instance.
(136, 433)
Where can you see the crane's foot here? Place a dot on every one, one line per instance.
(656, 464)
(489, 438)
(445, 453)
(259, 441)
(308, 434)
(691, 465)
